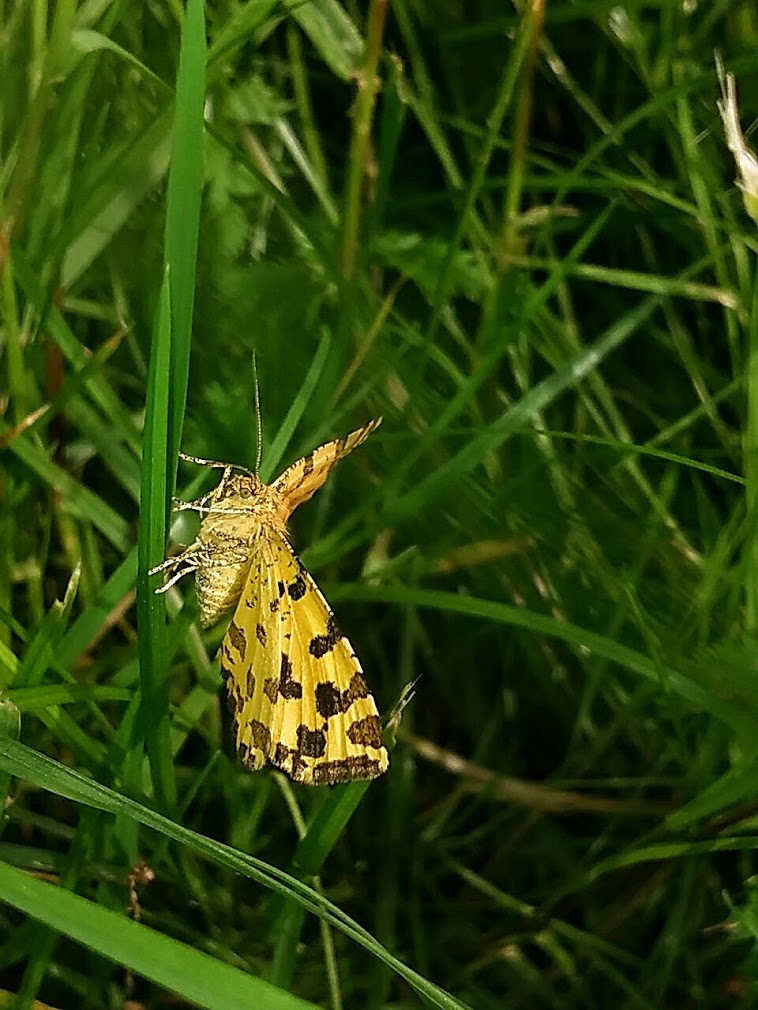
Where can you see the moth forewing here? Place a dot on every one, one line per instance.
(300, 481)
(296, 688)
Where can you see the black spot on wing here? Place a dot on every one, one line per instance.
(237, 638)
(297, 588)
(261, 738)
(328, 699)
(358, 686)
(349, 769)
(320, 645)
(331, 701)
(234, 698)
(261, 735)
(366, 732)
(288, 687)
(288, 760)
(310, 742)
(260, 634)
(270, 688)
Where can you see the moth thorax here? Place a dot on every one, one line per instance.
(242, 509)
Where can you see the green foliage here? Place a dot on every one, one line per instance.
(519, 242)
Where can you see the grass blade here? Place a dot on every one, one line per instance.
(151, 608)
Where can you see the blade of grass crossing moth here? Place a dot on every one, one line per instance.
(185, 180)
(296, 411)
(31, 766)
(151, 608)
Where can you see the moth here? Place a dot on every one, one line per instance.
(296, 689)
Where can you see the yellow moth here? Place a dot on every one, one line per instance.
(296, 689)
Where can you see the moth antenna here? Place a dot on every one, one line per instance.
(259, 426)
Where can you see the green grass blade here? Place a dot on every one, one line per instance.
(79, 500)
(520, 414)
(332, 33)
(284, 432)
(649, 667)
(192, 974)
(89, 624)
(185, 180)
(134, 173)
(312, 851)
(151, 608)
(26, 764)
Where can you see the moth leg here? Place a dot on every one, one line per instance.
(168, 563)
(207, 503)
(201, 504)
(185, 562)
(198, 505)
(235, 552)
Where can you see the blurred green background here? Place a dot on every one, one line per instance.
(514, 232)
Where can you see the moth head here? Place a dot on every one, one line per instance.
(244, 487)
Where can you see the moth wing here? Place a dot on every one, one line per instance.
(300, 481)
(297, 689)
(248, 654)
